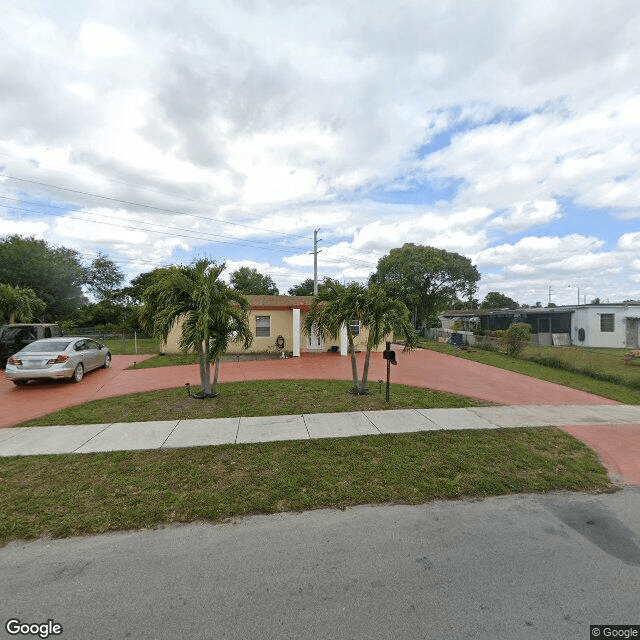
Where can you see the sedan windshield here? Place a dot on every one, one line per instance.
(46, 347)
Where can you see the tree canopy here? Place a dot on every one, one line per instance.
(426, 279)
(103, 277)
(497, 300)
(55, 274)
(142, 282)
(303, 289)
(252, 282)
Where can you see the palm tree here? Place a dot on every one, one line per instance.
(331, 309)
(337, 305)
(19, 304)
(212, 314)
(383, 315)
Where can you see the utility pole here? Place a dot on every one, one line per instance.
(575, 285)
(315, 261)
(550, 288)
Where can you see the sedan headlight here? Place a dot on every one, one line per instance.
(13, 360)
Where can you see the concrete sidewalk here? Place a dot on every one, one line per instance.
(129, 436)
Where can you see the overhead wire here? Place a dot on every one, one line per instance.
(239, 241)
(148, 206)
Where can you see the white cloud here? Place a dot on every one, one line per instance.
(537, 250)
(27, 228)
(629, 241)
(102, 40)
(523, 215)
(287, 117)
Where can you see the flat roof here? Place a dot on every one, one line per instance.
(461, 313)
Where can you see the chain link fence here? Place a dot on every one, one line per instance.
(121, 343)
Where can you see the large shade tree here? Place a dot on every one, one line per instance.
(103, 277)
(497, 300)
(337, 306)
(252, 282)
(211, 314)
(426, 279)
(55, 274)
(305, 288)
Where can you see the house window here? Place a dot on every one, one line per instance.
(263, 326)
(354, 325)
(607, 322)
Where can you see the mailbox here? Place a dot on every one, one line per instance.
(390, 356)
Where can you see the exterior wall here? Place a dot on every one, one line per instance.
(281, 325)
(588, 318)
(568, 321)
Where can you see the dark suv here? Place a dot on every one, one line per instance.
(14, 337)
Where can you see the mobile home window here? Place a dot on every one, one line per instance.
(263, 326)
(607, 322)
(354, 325)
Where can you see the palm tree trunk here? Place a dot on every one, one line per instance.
(364, 389)
(214, 386)
(354, 362)
(205, 373)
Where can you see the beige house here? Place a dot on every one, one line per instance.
(277, 323)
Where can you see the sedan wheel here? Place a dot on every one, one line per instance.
(78, 372)
(20, 383)
(107, 361)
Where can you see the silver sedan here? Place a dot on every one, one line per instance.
(57, 358)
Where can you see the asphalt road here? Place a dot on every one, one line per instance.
(513, 567)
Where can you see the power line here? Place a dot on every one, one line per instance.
(148, 206)
(239, 241)
(173, 230)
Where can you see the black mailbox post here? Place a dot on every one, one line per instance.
(390, 357)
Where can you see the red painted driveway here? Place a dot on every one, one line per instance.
(617, 445)
(420, 368)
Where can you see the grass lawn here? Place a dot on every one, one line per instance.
(252, 398)
(65, 495)
(166, 360)
(607, 361)
(129, 346)
(611, 390)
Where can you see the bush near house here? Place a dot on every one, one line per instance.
(515, 338)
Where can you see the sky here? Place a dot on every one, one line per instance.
(504, 130)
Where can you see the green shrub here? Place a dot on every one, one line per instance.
(515, 338)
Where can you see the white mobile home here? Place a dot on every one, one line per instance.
(591, 325)
(606, 325)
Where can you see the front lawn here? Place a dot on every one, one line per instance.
(80, 494)
(251, 398)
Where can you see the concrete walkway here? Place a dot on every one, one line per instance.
(167, 434)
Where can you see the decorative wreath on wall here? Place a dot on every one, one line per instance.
(280, 342)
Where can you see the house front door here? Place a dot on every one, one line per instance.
(632, 338)
(314, 341)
